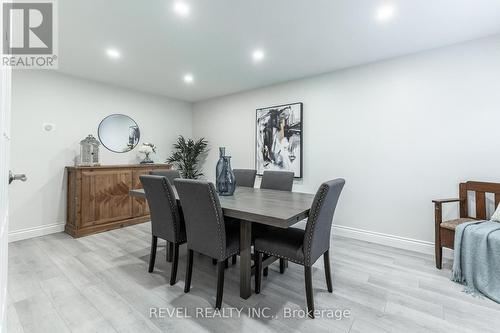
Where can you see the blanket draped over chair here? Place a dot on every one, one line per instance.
(477, 258)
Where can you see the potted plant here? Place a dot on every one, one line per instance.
(187, 155)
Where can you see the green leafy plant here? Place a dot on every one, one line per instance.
(187, 156)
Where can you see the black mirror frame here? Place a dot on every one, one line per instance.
(118, 114)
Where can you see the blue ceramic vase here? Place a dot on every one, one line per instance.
(224, 177)
(218, 167)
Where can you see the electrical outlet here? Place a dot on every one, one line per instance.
(48, 127)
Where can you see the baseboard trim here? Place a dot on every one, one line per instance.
(21, 234)
(389, 240)
(344, 231)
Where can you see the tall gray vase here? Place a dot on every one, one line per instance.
(218, 168)
(225, 181)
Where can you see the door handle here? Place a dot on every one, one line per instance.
(22, 177)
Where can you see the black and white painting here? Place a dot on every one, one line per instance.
(279, 139)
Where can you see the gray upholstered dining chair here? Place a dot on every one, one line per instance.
(170, 175)
(207, 232)
(304, 247)
(166, 219)
(167, 173)
(277, 180)
(245, 177)
(280, 181)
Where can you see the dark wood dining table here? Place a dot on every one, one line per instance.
(280, 209)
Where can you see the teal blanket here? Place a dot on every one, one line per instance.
(477, 258)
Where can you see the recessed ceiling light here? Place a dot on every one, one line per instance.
(385, 13)
(181, 8)
(188, 78)
(258, 55)
(113, 53)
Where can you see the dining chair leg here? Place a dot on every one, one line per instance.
(309, 291)
(258, 271)
(169, 251)
(265, 271)
(328, 274)
(220, 283)
(189, 271)
(152, 256)
(175, 263)
(282, 265)
(234, 259)
(439, 256)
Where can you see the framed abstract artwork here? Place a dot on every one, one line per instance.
(279, 139)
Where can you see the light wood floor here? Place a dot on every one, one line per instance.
(100, 283)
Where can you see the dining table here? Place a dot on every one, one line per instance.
(248, 206)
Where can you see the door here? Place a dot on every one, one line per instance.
(5, 79)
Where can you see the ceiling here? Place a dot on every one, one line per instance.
(215, 41)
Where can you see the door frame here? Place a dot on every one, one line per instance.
(5, 106)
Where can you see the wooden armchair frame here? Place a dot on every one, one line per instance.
(445, 237)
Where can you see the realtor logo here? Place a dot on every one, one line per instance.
(29, 34)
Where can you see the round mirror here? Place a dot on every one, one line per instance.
(119, 133)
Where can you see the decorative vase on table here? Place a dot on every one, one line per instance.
(147, 149)
(218, 167)
(224, 178)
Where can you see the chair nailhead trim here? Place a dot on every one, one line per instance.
(232, 254)
(281, 256)
(217, 215)
(173, 209)
(317, 208)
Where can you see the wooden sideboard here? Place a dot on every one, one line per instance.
(99, 200)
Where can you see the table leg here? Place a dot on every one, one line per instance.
(245, 259)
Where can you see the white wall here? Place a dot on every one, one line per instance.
(401, 132)
(76, 107)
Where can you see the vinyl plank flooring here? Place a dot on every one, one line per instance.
(76, 271)
(100, 283)
(363, 326)
(13, 322)
(444, 289)
(80, 315)
(397, 301)
(22, 285)
(38, 314)
(484, 321)
(116, 310)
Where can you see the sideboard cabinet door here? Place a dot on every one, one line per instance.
(105, 196)
(140, 206)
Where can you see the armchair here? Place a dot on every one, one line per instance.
(445, 230)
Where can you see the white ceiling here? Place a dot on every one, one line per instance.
(300, 38)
